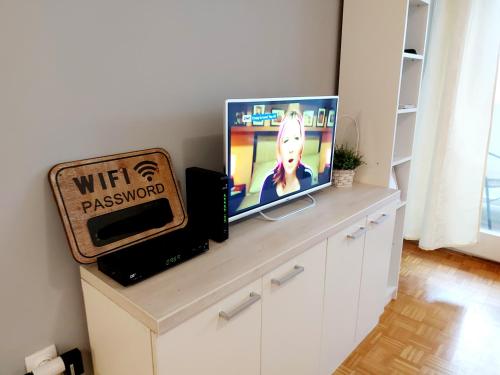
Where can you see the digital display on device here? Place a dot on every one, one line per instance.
(277, 149)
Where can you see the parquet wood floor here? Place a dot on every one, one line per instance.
(446, 319)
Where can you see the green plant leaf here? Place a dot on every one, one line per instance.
(346, 158)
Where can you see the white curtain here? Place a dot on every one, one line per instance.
(453, 124)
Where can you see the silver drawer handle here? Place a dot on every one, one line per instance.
(296, 270)
(254, 297)
(358, 233)
(380, 220)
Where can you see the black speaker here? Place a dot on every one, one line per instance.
(207, 203)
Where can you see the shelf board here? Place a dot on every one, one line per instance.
(407, 110)
(400, 160)
(412, 56)
(401, 204)
(419, 2)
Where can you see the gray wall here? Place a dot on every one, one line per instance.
(89, 78)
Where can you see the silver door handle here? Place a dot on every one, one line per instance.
(358, 233)
(296, 270)
(254, 297)
(380, 220)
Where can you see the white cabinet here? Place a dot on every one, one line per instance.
(376, 258)
(357, 269)
(224, 339)
(119, 343)
(292, 309)
(343, 278)
(261, 303)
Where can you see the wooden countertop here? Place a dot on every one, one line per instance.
(254, 248)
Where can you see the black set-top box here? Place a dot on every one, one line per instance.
(146, 259)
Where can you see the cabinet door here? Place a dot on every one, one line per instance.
(291, 315)
(211, 344)
(344, 259)
(377, 254)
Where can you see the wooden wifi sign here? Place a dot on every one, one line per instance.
(111, 202)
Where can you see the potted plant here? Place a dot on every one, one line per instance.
(345, 161)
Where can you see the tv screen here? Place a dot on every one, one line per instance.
(277, 149)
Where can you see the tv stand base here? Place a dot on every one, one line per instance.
(310, 205)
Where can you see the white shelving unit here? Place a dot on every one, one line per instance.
(379, 85)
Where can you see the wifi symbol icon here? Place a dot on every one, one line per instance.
(146, 169)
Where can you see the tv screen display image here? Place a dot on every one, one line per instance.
(277, 149)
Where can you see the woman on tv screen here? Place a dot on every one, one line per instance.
(277, 149)
(290, 174)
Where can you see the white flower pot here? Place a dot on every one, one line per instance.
(343, 178)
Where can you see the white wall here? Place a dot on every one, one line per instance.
(87, 78)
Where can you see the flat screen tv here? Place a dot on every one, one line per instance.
(277, 149)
